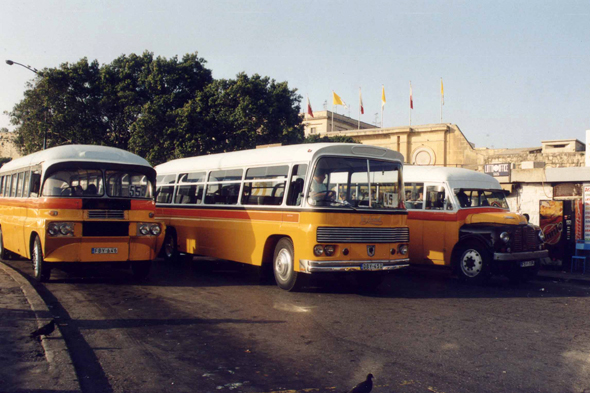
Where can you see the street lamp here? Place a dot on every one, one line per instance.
(10, 62)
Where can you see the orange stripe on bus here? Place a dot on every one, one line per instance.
(228, 214)
(142, 205)
(441, 215)
(43, 203)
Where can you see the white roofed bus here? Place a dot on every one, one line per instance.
(79, 203)
(311, 208)
(460, 218)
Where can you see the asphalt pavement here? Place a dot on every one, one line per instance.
(44, 365)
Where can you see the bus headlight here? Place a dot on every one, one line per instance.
(541, 236)
(155, 229)
(143, 229)
(403, 249)
(329, 250)
(505, 236)
(60, 229)
(318, 250)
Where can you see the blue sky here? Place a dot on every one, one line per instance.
(515, 72)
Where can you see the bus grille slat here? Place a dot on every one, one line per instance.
(362, 235)
(107, 214)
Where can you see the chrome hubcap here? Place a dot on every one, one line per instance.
(283, 264)
(471, 263)
(36, 260)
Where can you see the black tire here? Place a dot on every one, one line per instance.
(368, 281)
(141, 269)
(170, 248)
(473, 264)
(3, 251)
(41, 272)
(284, 265)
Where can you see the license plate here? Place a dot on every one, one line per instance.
(527, 263)
(372, 266)
(105, 250)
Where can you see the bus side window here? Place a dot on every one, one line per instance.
(26, 185)
(13, 186)
(35, 183)
(435, 198)
(414, 195)
(19, 184)
(295, 196)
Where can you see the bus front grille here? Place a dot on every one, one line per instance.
(107, 214)
(105, 228)
(525, 239)
(362, 235)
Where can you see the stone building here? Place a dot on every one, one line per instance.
(7, 147)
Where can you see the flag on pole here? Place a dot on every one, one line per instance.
(411, 98)
(336, 100)
(309, 111)
(361, 102)
(382, 97)
(442, 92)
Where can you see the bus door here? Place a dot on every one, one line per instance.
(435, 223)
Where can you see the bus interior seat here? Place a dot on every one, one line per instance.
(296, 190)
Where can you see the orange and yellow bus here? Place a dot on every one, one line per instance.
(79, 203)
(296, 209)
(460, 218)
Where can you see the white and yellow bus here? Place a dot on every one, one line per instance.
(79, 203)
(296, 209)
(460, 218)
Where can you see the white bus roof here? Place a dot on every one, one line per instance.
(88, 153)
(456, 177)
(274, 155)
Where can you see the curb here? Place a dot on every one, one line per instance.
(56, 351)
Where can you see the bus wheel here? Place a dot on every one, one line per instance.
(3, 252)
(40, 271)
(368, 282)
(473, 265)
(284, 265)
(141, 269)
(170, 247)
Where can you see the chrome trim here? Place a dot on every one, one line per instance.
(106, 214)
(520, 256)
(307, 266)
(362, 235)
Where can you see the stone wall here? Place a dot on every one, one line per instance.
(7, 147)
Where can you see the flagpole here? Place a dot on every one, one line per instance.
(410, 103)
(441, 99)
(332, 118)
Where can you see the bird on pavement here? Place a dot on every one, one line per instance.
(44, 330)
(364, 387)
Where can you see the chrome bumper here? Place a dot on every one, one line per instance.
(307, 266)
(520, 256)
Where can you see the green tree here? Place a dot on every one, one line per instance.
(156, 107)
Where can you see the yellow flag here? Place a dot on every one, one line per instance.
(382, 97)
(336, 100)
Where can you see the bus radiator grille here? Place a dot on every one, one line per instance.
(525, 239)
(106, 214)
(362, 235)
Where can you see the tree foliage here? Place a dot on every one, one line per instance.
(156, 107)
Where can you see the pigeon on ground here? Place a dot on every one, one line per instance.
(45, 330)
(364, 387)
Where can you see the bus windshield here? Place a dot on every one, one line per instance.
(481, 198)
(356, 183)
(91, 183)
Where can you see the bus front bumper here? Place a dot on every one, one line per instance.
(520, 256)
(307, 266)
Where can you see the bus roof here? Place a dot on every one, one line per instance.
(275, 155)
(88, 153)
(456, 177)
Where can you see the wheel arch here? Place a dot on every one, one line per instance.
(269, 249)
(32, 237)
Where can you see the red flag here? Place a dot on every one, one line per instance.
(361, 102)
(309, 111)
(411, 98)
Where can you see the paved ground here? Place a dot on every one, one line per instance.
(29, 364)
(189, 330)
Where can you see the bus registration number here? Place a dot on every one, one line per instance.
(105, 250)
(372, 266)
(527, 263)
